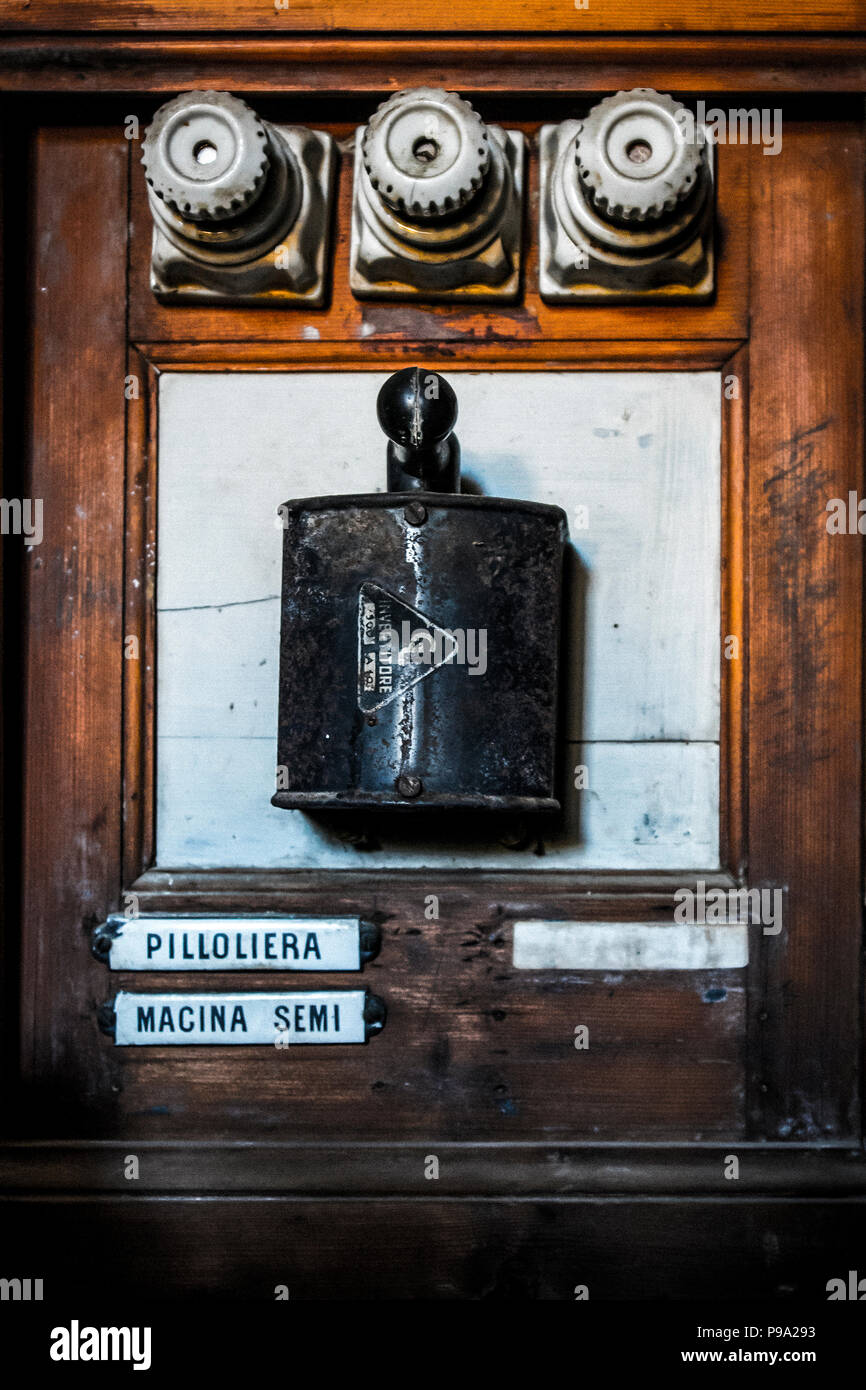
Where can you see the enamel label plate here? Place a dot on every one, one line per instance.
(279, 1020)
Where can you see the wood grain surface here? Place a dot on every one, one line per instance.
(529, 66)
(265, 16)
(114, 1247)
(805, 629)
(74, 592)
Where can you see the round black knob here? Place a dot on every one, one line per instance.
(417, 408)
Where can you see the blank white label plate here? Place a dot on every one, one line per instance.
(629, 946)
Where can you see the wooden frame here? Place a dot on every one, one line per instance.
(792, 439)
(525, 65)
(139, 682)
(480, 15)
(531, 335)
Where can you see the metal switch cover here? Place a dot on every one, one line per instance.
(419, 657)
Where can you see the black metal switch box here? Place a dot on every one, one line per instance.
(419, 650)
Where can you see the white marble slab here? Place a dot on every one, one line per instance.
(638, 451)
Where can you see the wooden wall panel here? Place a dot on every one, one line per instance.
(74, 602)
(805, 624)
(139, 1248)
(669, 1063)
(472, 1050)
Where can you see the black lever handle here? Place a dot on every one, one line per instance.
(417, 409)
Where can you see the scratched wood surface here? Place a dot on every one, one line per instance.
(73, 615)
(472, 1046)
(805, 614)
